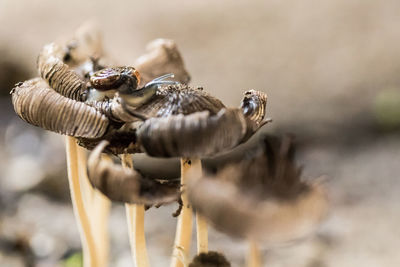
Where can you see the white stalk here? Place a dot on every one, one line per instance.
(254, 256)
(183, 236)
(97, 207)
(135, 218)
(202, 234)
(84, 227)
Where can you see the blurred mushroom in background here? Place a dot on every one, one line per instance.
(210, 259)
(261, 198)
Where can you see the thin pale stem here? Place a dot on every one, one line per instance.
(97, 207)
(84, 227)
(201, 223)
(183, 235)
(254, 256)
(101, 213)
(135, 218)
(202, 234)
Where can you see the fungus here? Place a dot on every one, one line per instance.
(81, 98)
(261, 198)
(55, 106)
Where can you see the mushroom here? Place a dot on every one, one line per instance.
(163, 118)
(261, 198)
(91, 208)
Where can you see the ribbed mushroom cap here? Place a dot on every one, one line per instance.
(261, 198)
(128, 185)
(36, 103)
(59, 75)
(187, 122)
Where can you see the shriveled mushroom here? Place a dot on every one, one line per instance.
(45, 106)
(94, 103)
(261, 198)
(123, 183)
(188, 122)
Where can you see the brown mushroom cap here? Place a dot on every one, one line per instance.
(194, 135)
(36, 103)
(261, 198)
(126, 184)
(58, 75)
(188, 122)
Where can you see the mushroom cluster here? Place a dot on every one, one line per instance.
(150, 108)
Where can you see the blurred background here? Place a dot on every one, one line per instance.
(331, 71)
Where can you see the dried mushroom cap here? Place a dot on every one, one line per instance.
(127, 185)
(36, 103)
(58, 75)
(190, 123)
(162, 57)
(210, 259)
(261, 198)
(193, 135)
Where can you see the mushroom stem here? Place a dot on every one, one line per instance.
(97, 207)
(201, 223)
(254, 256)
(202, 234)
(183, 236)
(101, 212)
(88, 243)
(135, 218)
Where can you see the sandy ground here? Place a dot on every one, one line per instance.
(324, 67)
